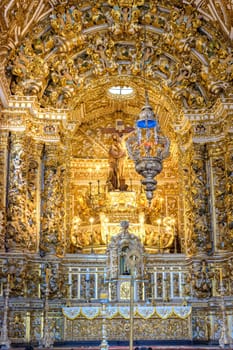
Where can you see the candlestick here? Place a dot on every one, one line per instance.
(90, 183)
(141, 188)
(110, 267)
(174, 234)
(98, 181)
(131, 187)
(47, 275)
(106, 239)
(91, 222)
(4, 340)
(104, 343)
(220, 278)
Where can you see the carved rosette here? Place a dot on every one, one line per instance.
(200, 200)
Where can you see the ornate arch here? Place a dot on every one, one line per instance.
(73, 45)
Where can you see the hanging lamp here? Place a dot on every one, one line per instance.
(148, 147)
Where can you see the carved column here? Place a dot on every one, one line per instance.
(16, 231)
(200, 195)
(21, 228)
(3, 185)
(186, 171)
(229, 191)
(32, 207)
(69, 202)
(52, 237)
(217, 179)
(36, 182)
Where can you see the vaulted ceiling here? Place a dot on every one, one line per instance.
(68, 52)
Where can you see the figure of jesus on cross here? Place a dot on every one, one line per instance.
(117, 157)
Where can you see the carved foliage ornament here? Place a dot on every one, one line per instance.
(64, 50)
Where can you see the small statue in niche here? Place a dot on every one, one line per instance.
(123, 266)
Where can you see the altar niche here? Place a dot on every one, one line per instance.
(121, 249)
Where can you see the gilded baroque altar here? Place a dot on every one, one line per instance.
(73, 77)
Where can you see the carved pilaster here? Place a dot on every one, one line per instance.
(217, 179)
(69, 203)
(187, 205)
(229, 191)
(52, 238)
(3, 166)
(3, 185)
(37, 183)
(200, 195)
(32, 193)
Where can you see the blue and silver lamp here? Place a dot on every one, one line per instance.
(148, 148)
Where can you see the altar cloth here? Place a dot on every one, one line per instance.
(111, 311)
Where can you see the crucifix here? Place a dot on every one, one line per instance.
(120, 127)
(117, 155)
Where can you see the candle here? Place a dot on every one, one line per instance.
(131, 187)
(90, 183)
(91, 220)
(47, 275)
(110, 269)
(98, 181)
(159, 223)
(220, 277)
